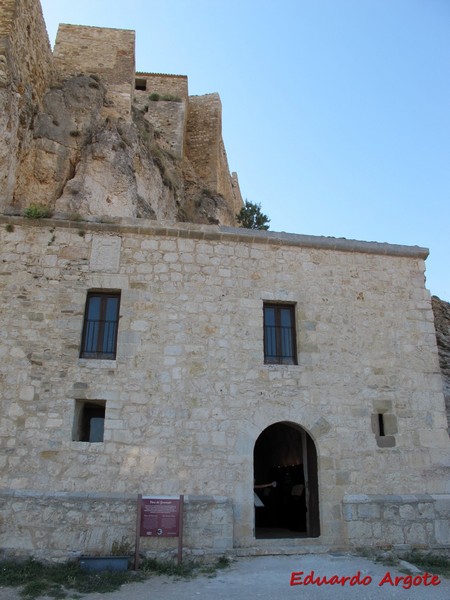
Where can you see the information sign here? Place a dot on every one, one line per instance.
(160, 516)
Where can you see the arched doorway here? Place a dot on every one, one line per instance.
(285, 455)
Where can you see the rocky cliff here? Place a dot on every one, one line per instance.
(91, 138)
(78, 161)
(441, 312)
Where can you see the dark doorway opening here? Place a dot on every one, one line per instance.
(286, 483)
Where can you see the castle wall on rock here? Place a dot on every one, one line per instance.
(165, 85)
(169, 120)
(25, 74)
(106, 53)
(441, 310)
(51, 135)
(25, 54)
(168, 114)
(205, 149)
(189, 392)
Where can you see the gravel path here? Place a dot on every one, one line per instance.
(269, 578)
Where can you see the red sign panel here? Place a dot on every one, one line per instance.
(160, 517)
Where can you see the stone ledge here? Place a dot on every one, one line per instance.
(96, 363)
(188, 498)
(63, 524)
(191, 499)
(8, 493)
(220, 233)
(295, 546)
(392, 498)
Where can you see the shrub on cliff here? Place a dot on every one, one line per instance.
(251, 217)
(37, 211)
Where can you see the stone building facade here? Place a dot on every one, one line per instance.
(142, 355)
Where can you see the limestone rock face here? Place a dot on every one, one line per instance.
(60, 131)
(79, 161)
(82, 133)
(441, 312)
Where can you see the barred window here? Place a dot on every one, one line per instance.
(101, 319)
(280, 346)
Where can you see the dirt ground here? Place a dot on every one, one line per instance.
(269, 577)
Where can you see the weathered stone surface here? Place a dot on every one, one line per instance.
(107, 53)
(441, 311)
(205, 149)
(77, 137)
(81, 163)
(188, 393)
(406, 521)
(68, 524)
(25, 73)
(69, 118)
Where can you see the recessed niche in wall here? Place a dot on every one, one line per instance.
(89, 421)
(384, 426)
(140, 84)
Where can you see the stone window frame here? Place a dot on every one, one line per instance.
(384, 427)
(283, 355)
(94, 340)
(84, 428)
(140, 84)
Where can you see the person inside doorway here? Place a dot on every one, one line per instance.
(258, 502)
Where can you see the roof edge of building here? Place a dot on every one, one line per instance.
(221, 233)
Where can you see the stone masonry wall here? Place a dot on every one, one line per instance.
(168, 117)
(188, 393)
(162, 84)
(25, 54)
(206, 151)
(65, 525)
(107, 53)
(398, 521)
(202, 143)
(25, 73)
(441, 310)
(8, 8)
(228, 185)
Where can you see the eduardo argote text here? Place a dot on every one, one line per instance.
(404, 581)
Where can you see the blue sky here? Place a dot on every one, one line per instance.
(336, 113)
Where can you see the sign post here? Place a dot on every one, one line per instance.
(138, 533)
(159, 516)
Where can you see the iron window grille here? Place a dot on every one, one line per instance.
(101, 320)
(280, 345)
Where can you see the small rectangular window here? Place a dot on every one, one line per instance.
(89, 421)
(280, 346)
(140, 84)
(101, 319)
(380, 424)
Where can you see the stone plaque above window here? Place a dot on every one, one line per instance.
(105, 254)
